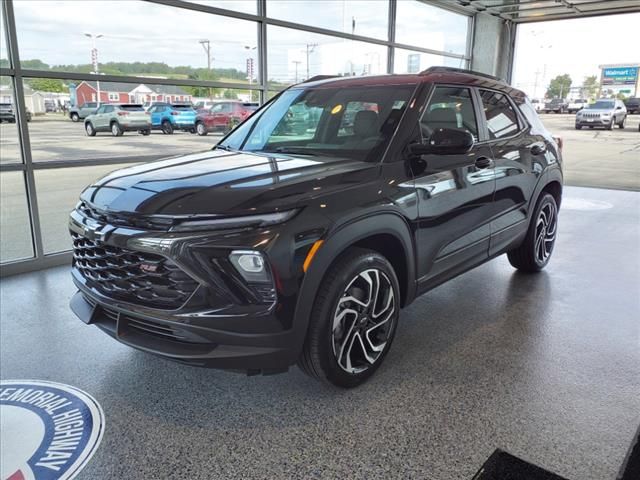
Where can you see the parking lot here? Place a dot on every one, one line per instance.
(55, 137)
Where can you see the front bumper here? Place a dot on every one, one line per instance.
(593, 121)
(215, 327)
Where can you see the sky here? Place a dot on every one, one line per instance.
(54, 32)
(575, 47)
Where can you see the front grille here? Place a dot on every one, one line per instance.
(156, 223)
(135, 277)
(590, 115)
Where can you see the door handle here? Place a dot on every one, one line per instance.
(537, 149)
(484, 162)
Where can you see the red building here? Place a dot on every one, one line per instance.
(120, 92)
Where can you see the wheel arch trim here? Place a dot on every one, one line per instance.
(338, 241)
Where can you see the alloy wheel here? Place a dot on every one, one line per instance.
(546, 228)
(363, 321)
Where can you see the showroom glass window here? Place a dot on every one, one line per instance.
(502, 120)
(365, 18)
(135, 39)
(431, 27)
(449, 107)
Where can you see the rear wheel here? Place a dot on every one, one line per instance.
(201, 129)
(167, 128)
(91, 131)
(116, 130)
(536, 249)
(353, 320)
(145, 132)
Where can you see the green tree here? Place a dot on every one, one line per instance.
(46, 85)
(590, 86)
(559, 86)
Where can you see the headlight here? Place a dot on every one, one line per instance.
(251, 265)
(262, 220)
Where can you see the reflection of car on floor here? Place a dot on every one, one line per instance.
(83, 111)
(117, 119)
(605, 112)
(223, 116)
(172, 116)
(277, 248)
(7, 113)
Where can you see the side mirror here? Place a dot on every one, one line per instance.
(444, 141)
(618, 107)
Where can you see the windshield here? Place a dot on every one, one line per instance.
(352, 122)
(601, 105)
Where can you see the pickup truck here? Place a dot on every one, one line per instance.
(556, 105)
(577, 105)
(632, 104)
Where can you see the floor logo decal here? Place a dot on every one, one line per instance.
(47, 430)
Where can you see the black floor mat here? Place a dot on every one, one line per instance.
(502, 465)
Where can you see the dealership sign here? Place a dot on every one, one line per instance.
(620, 76)
(47, 430)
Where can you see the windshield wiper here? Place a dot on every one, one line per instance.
(223, 147)
(293, 150)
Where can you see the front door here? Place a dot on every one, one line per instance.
(455, 192)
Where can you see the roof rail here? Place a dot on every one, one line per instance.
(315, 78)
(458, 70)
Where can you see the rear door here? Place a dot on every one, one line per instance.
(97, 118)
(519, 153)
(455, 192)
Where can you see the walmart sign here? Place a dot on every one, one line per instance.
(620, 76)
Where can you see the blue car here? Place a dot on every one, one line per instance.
(171, 116)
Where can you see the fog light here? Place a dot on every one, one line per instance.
(250, 265)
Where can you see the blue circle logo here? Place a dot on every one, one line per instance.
(48, 430)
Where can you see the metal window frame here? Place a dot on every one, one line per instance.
(28, 166)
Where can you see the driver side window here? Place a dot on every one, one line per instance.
(449, 107)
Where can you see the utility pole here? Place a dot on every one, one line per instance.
(94, 58)
(206, 44)
(296, 63)
(310, 48)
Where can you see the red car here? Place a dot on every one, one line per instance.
(223, 116)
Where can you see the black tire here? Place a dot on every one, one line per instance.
(145, 132)
(116, 129)
(319, 358)
(611, 123)
(526, 257)
(74, 117)
(167, 128)
(621, 125)
(90, 129)
(578, 127)
(201, 129)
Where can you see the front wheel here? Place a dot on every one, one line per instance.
(353, 320)
(201, 129)
(578, 127)
(75, 117)
(621, 125)
(91, 131)
(536, 249)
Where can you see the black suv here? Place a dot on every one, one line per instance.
(302, 234)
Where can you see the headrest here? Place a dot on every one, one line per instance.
(365, 124)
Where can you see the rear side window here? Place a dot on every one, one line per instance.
(529, 112)
(502, 120)
(449, 107)
(108, 109)
(132, 108)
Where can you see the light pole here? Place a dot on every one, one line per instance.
(94, 57)
(249, 48)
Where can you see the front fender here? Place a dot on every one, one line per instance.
(337, 241)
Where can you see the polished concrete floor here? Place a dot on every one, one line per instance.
(546, 367)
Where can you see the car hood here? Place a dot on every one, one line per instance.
(597, 110)
(219, 182)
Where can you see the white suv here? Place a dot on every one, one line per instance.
(605, 112)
